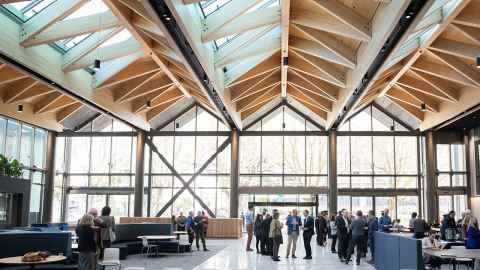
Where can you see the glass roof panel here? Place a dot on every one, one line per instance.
(208, 7)
(117, 38)
(90, 8)
(25, 10)
(67, 44)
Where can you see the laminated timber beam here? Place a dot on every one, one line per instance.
(43, 63)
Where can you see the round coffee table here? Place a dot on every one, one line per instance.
(18, 260)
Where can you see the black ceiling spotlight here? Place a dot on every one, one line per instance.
(20, 108)
(285, 61)
(96, 65)
(423, 107)
(392, 128)
(148, 104)
(166, 17)
(478, 61)
(225, 69)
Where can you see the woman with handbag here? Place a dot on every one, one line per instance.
(107, 232)
(276, 234)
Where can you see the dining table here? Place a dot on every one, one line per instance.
(473, 254)
(18, 261)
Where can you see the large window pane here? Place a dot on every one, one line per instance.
(293, 121)
(206, 146)
(407, 182)
(268, 181)
(294, 154)
(184, 202)
(223, 203)
(249, 181)
(60, 154)
(382, 203)
(121, 153)
(363, 204)
(99, 181)
(384, 182)
(250, 154)
(119, 205)
(380, 121)
(458, 157)
(80, 156)
(40, 148)
(206, 181)
(160, 197)
(273, 121)
(272, 155)
(317, 154)
(443, 157)
(362, 121)
(97, 201)
(294, 181)
(186, 122)
(12, 145)
(224, 158)
(406, 155)
(361, 154)
(406, 205)
(361, 182)
(206, 121)
(343, 202)
(383, 155)
(26, 146)
(343, 155)
(35, 203)
(184, 154)
(77, 207)
(164, 145)
(317, 181)
(3, 129)
(445, 205)
(100, 154)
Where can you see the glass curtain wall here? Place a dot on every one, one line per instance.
(451, 178)
(383, 168)
(283, 149)
(28, 145)
(95, 170)
(187, 143)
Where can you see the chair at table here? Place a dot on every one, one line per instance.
(148, 247)
(111, 257)
(463, 261)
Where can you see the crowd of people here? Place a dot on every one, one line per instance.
(196, 227)
(345, 233)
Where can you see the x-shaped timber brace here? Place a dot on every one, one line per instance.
(186, 185)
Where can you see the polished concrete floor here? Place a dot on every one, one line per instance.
(235, 257)
(231, 254)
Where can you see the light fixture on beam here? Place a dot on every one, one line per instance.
(148, 104)
(20, 108)
(96, 64)
(423, 107)
(478, 61)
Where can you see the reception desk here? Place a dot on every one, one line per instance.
(217, 227)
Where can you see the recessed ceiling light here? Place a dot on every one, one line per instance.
(96, 64)
(423, 107)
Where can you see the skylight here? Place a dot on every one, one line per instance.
(90, 8)
(211, 6)
(117, 38)
(25, 10)
(208, 7)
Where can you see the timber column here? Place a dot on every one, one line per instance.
(332, 172)
(234, 174)
(139, 175)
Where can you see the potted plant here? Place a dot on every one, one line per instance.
(11, 168)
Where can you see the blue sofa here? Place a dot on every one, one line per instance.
(23, 241)
(128, 243)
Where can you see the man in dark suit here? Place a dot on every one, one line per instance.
(308, 231)
(321, 228)
(342, 233)
(267, 243)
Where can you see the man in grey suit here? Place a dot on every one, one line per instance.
(358, 233)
